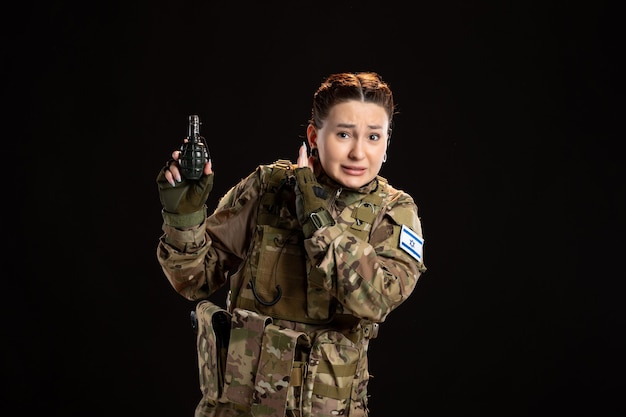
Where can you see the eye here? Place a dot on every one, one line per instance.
(374, 137)
(343, 135)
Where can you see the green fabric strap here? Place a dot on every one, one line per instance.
(182, 221)
(317, 220)
(332, 391)
(336, 370)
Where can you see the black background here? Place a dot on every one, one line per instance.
(510, 117)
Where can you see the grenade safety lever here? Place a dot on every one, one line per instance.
(194, 153)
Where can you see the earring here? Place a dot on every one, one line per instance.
(315, 153)
(385, 157)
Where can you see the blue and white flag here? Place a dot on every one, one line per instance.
(411, 243)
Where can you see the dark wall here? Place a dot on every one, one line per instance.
(506, 138)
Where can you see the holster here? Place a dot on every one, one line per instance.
(213, 327)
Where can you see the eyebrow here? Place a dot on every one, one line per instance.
(350, 125)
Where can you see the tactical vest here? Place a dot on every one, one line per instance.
(277, 278)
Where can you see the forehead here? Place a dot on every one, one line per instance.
(356, 112)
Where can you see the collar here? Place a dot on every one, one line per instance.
(328, 182)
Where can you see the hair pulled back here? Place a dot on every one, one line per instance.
(367, 87)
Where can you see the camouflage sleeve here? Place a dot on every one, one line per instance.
(370, 279)
(196, 260)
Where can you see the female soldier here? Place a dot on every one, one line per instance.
(316, 254)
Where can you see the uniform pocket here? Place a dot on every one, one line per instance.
(333, 374)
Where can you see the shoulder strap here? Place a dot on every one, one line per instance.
(271, 201)
(368, 209)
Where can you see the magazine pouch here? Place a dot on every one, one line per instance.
(280, 371)
(246, 336)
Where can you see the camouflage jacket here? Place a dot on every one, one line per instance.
(309, 356)
(369, 279)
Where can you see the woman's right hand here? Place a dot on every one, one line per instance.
(172, 171)
(180, 196)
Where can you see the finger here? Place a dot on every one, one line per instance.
(169, 178)
(174, 171)
(302, 157)
(176, 155)
(208, 167)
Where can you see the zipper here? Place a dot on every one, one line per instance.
(334, 198)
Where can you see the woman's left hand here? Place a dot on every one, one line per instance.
(304, 160)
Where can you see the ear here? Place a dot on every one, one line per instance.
(311, 135)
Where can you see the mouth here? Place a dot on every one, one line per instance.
(352, 170)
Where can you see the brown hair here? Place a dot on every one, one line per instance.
(337, 88)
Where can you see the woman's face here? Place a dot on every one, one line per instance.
(352, 142)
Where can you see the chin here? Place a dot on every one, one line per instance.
(353, 182)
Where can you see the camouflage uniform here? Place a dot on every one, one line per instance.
(294, 335)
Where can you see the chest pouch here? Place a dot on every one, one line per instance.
(276, 272)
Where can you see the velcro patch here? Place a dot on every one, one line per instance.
(411, 243)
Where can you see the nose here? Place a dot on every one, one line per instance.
(357, 152)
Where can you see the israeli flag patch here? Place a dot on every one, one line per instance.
(411, 243)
